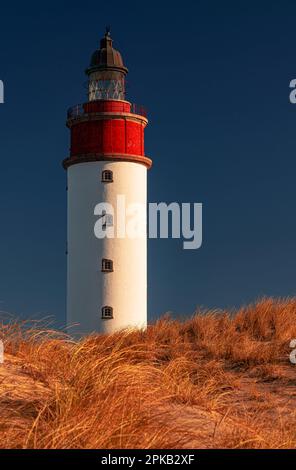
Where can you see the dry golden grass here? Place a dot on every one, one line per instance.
(215, 380)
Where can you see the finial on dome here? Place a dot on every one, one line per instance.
(106, 58)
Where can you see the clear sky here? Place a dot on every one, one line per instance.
(214, 77)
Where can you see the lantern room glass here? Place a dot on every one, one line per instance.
(112, 89)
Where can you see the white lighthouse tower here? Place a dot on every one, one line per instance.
(107, 277)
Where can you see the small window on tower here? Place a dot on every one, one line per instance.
(107, 312)
(107, 265)
(107, 176)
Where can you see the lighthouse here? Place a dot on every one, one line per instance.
(106, 277)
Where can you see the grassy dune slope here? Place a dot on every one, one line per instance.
(212, 381)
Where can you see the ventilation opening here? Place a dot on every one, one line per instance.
(107, 313)
(108, 221)
(107, 176)
(107, 265)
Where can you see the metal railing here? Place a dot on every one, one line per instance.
(79, 110)
(75, 111)
(138, 109)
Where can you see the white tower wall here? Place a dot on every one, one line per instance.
(89, 289)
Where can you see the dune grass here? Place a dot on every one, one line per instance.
(214, 380)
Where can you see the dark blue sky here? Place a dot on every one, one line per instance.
(214, 77)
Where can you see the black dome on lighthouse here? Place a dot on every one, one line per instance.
(106, 58)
